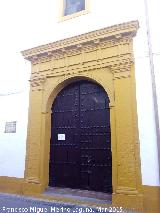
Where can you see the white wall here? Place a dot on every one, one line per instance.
(13, 145)
(37, 22)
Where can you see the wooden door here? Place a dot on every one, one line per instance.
(80, 149)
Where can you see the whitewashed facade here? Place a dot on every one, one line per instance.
(39, 22)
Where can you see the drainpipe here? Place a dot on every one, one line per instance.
(154, 89)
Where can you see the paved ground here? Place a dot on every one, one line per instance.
(15, 204)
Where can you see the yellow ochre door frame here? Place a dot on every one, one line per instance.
(104, 56)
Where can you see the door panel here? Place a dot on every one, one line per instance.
(82, 157)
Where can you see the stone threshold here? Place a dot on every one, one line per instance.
(78, 195)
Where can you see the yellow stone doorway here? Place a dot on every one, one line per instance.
(106, 57)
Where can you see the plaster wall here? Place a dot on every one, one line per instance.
(13, 145)
(43, 25)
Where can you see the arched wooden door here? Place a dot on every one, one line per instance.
(80, 149)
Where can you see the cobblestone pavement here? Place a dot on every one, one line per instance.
(15, 204)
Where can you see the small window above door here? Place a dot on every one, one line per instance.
(73, 8)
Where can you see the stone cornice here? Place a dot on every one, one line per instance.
(113, 33)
